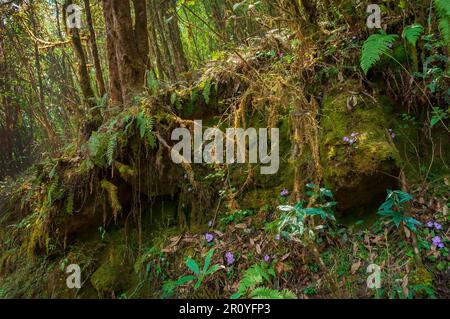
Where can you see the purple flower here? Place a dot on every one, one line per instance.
(438, 226)
(277, 237)
(351, 141)
(430, 224)
(229, 258)
(436, 241)
(346, 139)
(393, 135)
(266, 258)
(210, 223)
(284, 193)
(209, 237)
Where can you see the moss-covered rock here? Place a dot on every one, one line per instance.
(357, 151)
(113, 275)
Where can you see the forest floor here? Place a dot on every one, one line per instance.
(141, 227)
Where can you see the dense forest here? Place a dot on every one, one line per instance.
(100, 197)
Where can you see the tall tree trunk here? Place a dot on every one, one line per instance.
(131, 52)
(160, 10)
(175, 42)
(95, 55)
(83, 73)
(115, 88)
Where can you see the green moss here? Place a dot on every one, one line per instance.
(114, 273)
(364, 166)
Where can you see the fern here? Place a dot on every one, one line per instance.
(443, 11)
(373, 49)
(267, 293)
(253, 277)
(112, 145)
(207, 91)
(93, 145)
(412, 33)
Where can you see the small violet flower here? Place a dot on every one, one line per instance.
(430, 224)
(229, 258)
(284, 193)
(266, 258)
(209, 237)
(437, 226)
(277, 237)
(436, 241)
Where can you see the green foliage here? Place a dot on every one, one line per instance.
(253, 277)
(443, 11)
(412, 33)
(207, 91)
(112, 145)
(199, 274)
(267, 293)
(236, 217)
(291, 223)
(438, 115)
(145, 127)
(393, 209)
(374, 48)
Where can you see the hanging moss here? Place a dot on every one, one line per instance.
(111, 189)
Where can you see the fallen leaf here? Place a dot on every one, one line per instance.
(355, 267)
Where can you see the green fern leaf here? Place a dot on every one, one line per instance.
(207, 91)
(443, 11)
(412, 33)
(267, 293)
(112, 145)
(373, 49)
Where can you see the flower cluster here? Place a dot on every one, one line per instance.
(352, 139)
(393, 135)
(284, 193)
(436, 241)
(229, 257)
(435, 225)
(209, 237)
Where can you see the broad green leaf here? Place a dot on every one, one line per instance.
(192, 265)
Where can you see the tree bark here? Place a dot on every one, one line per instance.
(83, 73)
(115, 88)
(95, 55)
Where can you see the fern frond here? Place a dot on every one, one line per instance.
(443, 11)
(253, 277)
(412, 33)
(112, 145)
(267, 293)
(373, 49)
